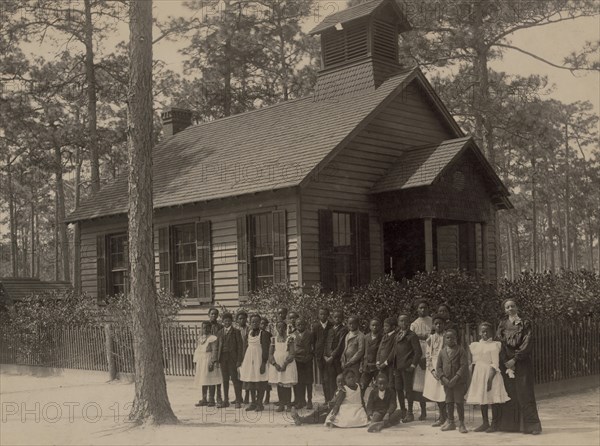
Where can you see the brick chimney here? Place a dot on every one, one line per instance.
(175, 120)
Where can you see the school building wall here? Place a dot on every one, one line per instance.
(345, 183)
(223, 215)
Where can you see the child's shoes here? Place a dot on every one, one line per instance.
(440, 422)
(462, 429)
(251, 407)
(309, 406)
(449, 426)
(409, 418)
(201, 403)
(375, 427)
(483, 428)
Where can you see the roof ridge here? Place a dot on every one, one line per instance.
(438, 144)
(246, 113)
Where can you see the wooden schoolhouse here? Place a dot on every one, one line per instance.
(369, 175)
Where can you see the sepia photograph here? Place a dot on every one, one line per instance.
(300, 222)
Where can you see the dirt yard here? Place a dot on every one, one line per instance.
(83, 410)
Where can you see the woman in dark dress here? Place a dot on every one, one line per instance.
(515, 334)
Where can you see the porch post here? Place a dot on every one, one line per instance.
(485, 262)
(428, 244)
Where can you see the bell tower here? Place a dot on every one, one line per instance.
(359, 48)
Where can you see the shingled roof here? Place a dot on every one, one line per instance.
(422, 166)
(272, 148)
(355, 13)
(17, 288)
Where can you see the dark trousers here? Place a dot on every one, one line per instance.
(366, 378)
(403, 383)
(394, 419)
(229, 372)
(318, 416)
(331, 371)
(328, 391)
(285, 395)
(460, 408)
(302, 394)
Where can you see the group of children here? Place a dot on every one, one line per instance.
(399, 360)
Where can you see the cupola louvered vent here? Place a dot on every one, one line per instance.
(385, 40)
(345, 45)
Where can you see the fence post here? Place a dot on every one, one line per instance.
(110, 354)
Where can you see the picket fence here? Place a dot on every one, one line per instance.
(560, 351)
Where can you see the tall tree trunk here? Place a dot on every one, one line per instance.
(56, 242)
(90, 74)
(60, 214)
(511, 252)
(77, 227)
(590, 238)
(37, 245)
(569, 256)
(551, 235)
(534, 223)
(561, 252)
(24, 263)
(227, 97)
(575, 251)
(598, 246)
(14, 248)
(151, 402)
(32, 237)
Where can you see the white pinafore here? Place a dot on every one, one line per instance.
(250, 369)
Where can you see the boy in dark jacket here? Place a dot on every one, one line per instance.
(453, 371)
(231, 355)
(368, 368)
(405, 356)
(334, 346)
(385, 347)
(381, 406)
(320, 332)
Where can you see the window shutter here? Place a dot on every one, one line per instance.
(164, 258)
(101, 266)
(242, 257)
(279, 247)
(326, 249)
(363, 249)
(204, 261)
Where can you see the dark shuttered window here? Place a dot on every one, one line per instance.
(344, 249)
(112, 265)
(185, 260)
(262, 251)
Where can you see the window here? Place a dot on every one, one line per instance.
(261, 243)
(112, 265)
(118, 264)
(344, 249)
(184, 274)
(185, 260)
(261, 250)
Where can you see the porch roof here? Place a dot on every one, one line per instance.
(422, 166)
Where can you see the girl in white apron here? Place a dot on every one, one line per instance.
(253, 372)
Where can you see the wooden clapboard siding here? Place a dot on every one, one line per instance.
(345, 182)
(222, 215)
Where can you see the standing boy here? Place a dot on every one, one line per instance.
(368, 367)
(453, 370)
(334, 346)
(231, 355)
(405, 355)
(320, 332)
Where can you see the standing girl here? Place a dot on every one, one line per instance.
(516, 365)
(433, 389)
(206, 357)
(421, 326)
(486, 386)
(282, 370)
(253, 371)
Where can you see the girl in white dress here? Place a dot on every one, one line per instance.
(487, 386)
(433, 388)
(422, 328)
(282, 367)
(206, 358)
(349, 410)
(253, 372)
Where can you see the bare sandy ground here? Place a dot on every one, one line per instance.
(84, 410)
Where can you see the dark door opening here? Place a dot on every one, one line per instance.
(404, 248)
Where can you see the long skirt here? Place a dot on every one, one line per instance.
(520, 413)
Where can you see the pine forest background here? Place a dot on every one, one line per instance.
(63, 112)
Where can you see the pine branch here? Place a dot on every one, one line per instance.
(541, 59)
